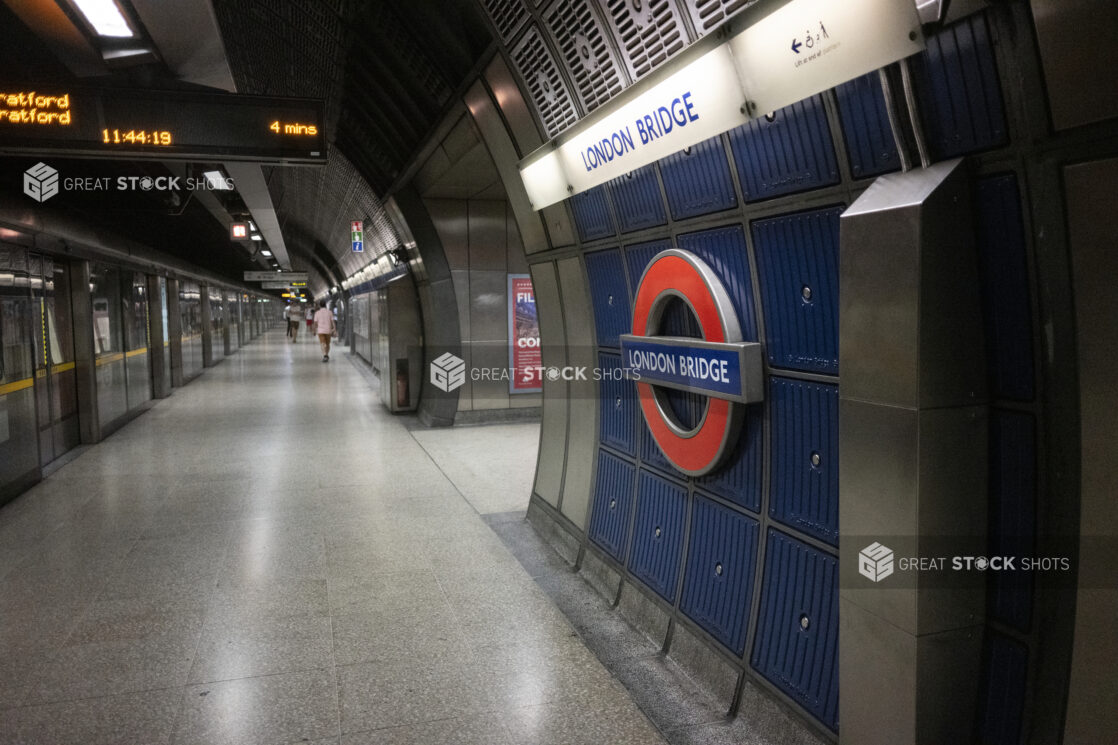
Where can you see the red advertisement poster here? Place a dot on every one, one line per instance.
(524, 336)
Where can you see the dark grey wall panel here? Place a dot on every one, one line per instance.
(546, 86)
(585, 48)
(583, 404)
(648, 32)
(553, 426)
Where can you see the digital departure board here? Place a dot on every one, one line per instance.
(164, 125)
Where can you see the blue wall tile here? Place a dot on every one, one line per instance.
(697, 180)
(610, 296)
(804, 420)
(718, 580)
(591, 213)
(658, 533)
(795, 252)
(796, 645)
(1012, 518)
(792, 153)
(724, 250)
(870, 146)
(617, 416)
(959, 97)
(613, 500)
(1004, 274)
(637, 201)
(739, 481)
(1002, 702)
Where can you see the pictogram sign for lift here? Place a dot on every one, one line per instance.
(720, 365)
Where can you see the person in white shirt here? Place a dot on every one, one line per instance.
(325, 328)
(292, 315)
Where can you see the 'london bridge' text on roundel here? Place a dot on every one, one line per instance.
(719, 365)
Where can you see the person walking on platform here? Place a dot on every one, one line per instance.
(325, 327)
(310, 319)
(292, 314)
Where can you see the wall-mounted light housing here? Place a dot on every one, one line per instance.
(218, 181)
(238, 231)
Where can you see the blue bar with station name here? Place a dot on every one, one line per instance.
(711, 369)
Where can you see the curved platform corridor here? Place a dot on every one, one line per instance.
(269, 557)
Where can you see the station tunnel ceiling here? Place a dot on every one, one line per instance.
(387, 70)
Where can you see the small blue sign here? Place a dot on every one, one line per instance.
(358, 247)
(710, 368)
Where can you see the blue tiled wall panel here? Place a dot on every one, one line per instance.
(650, 451)
(959, 97)
(610, 296)
(796, 645)
(618, 399)
(1012, 518)
(697, 180)
(718, 579)
(724, 250)
(658, 533)
(1005, 287)
(792, 153)
(804, 457)
(797, 259)
(1002, 702)
(638, 256)
(870, 146)
(591, 213)
(613, 499)
(739, 481)
(637, 201)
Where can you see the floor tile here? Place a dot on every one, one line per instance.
(130, 719)
(263, 646)
(260, 711)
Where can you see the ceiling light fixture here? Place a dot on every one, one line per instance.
(106, 18)
(265, 252)
(217, 181)
(257, 237)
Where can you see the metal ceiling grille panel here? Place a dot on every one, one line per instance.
(583, 44)
(649, 32)
(541, 77)
(507, 15)
(708, 14)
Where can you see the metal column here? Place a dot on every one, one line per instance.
(913, 459)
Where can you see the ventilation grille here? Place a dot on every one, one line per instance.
(579, 38)
(649, 32)
(708, 14)
(541, 77)
(507, 15)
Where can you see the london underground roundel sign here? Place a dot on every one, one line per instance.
(719, 365)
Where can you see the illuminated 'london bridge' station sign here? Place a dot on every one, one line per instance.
(167, 125)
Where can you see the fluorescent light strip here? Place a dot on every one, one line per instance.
(106, 18)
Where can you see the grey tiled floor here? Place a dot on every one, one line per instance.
(270, 557)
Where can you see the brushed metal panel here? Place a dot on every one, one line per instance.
(909, 329)
(899, 689)
(487, 235)
(553, 425)
(513, 105)
(516, 259)
(1081, 87)
(1092, 225)
(505, 157)
(916, 481)
(451, 219)
(582, 440)
(560, 228)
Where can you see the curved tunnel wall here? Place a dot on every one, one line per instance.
(761, 204)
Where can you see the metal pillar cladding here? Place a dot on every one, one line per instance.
(912, 460)
(85, 362)
(174, 332)
(207, 330)
(156, 335)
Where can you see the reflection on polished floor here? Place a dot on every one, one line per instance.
(270, 557)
